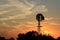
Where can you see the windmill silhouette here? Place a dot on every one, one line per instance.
(39, 18)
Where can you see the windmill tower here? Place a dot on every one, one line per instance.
(39, 18)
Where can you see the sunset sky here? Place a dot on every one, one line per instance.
(18, 16)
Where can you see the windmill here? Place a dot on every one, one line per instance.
(39, 18)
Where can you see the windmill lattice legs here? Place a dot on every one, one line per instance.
(39, 27)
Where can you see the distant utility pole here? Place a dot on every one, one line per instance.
(39, 18)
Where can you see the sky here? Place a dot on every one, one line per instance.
(19, 16)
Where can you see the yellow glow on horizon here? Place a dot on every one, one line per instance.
(46, 32)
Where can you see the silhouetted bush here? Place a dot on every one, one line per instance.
(58, 38)
(2, 38)
(33, 35)
(11, 39)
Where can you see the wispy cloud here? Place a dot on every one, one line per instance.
(2, 2)
(21, 9)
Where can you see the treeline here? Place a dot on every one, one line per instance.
(32, 35)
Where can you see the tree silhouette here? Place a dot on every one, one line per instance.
(21, 37)
(2, 38)
(11, 38)
(58, 38)
(33, 35)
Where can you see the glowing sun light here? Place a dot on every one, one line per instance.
(46, 32)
